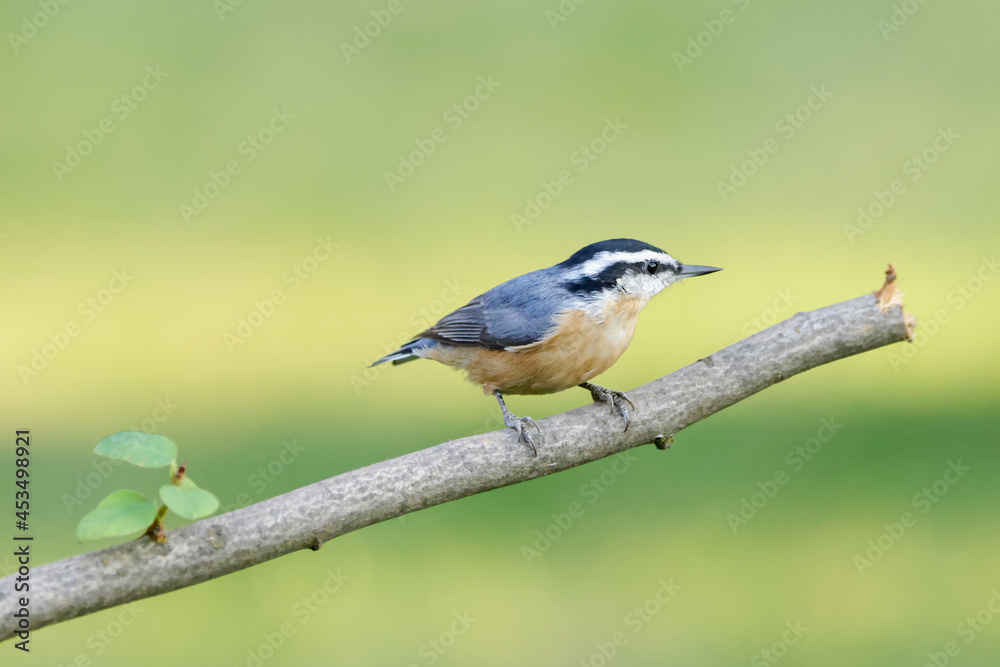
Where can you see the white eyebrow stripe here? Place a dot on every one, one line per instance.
(604, 259)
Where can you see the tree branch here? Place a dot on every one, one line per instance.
(309, 516)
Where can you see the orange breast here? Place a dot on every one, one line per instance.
(581, 347)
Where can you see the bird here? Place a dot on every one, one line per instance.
(552, 329)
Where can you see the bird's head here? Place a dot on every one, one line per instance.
(624, 266)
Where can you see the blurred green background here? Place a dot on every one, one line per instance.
(308, 115)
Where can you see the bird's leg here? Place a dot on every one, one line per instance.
(518, 423)
(617, 399)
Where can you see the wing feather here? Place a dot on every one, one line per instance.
(465, 326)
(518, 312)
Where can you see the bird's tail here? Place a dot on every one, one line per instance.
(408, 352)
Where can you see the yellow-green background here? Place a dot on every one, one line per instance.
(162, 337)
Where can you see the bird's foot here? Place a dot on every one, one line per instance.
(518, 424)
(617, 400)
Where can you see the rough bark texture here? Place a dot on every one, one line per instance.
(309, 516)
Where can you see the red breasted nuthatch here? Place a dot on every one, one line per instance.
(554, 328)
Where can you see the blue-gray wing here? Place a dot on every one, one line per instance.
(518, 312)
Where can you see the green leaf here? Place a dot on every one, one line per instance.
(146, 450)
(188, 500)
(122, 513)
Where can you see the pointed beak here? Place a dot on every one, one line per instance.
(690, 270)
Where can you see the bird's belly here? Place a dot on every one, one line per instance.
(581, 347)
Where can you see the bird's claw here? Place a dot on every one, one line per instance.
(511, 420)
(518, 424)
(616, 399)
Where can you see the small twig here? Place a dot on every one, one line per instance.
(156, 531)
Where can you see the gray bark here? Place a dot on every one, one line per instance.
(309, 516)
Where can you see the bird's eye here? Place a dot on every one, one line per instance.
(652, 266)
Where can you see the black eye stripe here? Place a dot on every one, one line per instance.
(607, 278)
